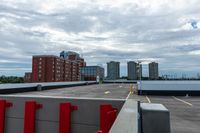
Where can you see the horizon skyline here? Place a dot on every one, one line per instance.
(123, 69)
(167, 32)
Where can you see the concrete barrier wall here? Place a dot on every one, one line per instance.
(27, 87)
(169, 87)
(85, 119)
(120, 81)
(128, 120)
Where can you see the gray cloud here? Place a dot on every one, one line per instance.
(101, 31)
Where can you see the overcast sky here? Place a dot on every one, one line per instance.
(166, 31)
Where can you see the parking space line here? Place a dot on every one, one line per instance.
(128, 96)
(106, 92)
(182, 101)
(148, 99)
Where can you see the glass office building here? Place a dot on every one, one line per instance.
(91, 73)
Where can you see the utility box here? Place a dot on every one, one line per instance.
(155, 118)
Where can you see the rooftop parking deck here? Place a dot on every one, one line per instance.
(116, 91)
(184, 111)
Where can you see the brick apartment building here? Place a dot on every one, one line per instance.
(51, 68)
(28, 77)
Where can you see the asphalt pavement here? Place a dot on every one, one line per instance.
(184, 111)
(116, 91)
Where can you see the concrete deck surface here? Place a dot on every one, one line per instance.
(116, 91)
(184, 111)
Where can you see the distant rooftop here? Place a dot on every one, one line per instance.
(46, 56)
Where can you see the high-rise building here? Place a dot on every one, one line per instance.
(47, 68)
(139, 71)
(153, 71)
(67, 70)
(113, 70)
(134, 70)
(50, 68)
(75, 73)
(76, 63)
(70, 55)
(91, 73)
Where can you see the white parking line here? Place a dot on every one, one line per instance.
(106, 92)
(182, 101)
(148, 99)
(128, 95)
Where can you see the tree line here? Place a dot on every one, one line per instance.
(11, 79)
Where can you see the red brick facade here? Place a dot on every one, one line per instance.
(50, 68)
(67, 70)
(28, 77)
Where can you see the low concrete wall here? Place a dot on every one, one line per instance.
(85, 119)
(169, 88)
(128, 118)
(27, 87)
(120, 81)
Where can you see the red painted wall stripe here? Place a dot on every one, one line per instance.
(29, 116)
(111, 116)
(108, 114)
(3, 105)
(103, 117)
(65, 117)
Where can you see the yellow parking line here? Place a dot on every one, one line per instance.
(182, 101)
(148, 99)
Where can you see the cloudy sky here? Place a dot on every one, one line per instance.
(166, 31)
